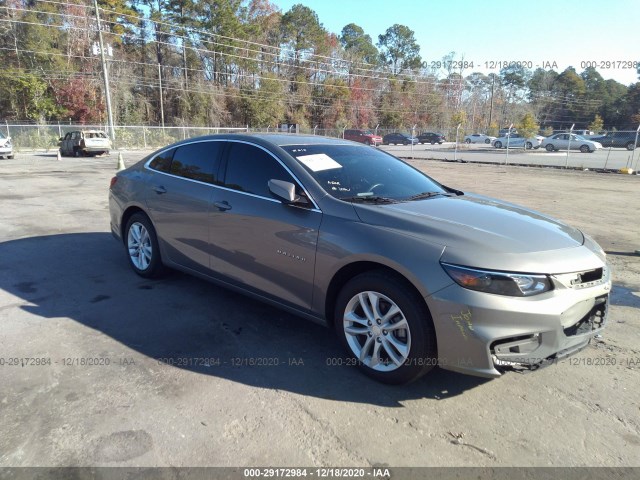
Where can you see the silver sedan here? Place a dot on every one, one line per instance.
(409, 272)
(567, 141)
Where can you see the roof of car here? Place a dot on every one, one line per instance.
(279, 139)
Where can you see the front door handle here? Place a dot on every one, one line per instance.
(159, 189)
(223, 206)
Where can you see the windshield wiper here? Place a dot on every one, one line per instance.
(420, 196)
(370, 199)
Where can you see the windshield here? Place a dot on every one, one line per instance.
(348, 172)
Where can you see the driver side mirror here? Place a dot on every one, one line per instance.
(286, 191)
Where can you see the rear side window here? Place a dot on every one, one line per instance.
(197, 161)
(250, 168)
(162, 162)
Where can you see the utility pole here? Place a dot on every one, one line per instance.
(104, 73)
(161, 101)
(491, 106)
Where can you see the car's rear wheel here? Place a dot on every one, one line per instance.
(142, 246)
(528, 146)
(498, 144)
(467, 141)
(584, 148)
(386, 328)
(367, 142)
(550, 148)
(630, 146)
(486, 140)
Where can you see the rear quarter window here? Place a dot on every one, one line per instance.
(162, 162)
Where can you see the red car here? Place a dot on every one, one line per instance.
(363, 136)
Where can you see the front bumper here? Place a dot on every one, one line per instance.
(483, 334)
(6, 150)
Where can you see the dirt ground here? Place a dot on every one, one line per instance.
(99, 367)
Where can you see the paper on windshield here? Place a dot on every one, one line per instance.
(318, 162)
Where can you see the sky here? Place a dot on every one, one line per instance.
(603, 32)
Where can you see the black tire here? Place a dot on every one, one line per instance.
(630, 146)
(420, 334)
(10, 157)
(584, 148)
(155, 268)
(367, 142)
(528, 146)
(550, 148)
(467, 141)
(498, 144)
(486, 140)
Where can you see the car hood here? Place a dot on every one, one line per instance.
(484, 232)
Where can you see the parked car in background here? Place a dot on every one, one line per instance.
(619, 140)
(564, 141)
(410, 273)
(362, 136)
(515, 140)
(503, 131)
(85, 142)
(479, 138)
(432, 138)
(398, 139)
(6, 147)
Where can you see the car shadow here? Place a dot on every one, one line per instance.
(195, 325)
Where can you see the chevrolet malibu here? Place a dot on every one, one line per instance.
(409, 272)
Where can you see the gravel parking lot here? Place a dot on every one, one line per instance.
(99, 367)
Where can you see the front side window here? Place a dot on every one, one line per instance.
(197, 161)
(250, 168)
(351, 172)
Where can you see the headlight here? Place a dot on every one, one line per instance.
(499, 283)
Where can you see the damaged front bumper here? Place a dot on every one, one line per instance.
(485, 335)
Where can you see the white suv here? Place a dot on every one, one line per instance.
(6, 148)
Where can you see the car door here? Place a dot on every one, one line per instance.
(179, 200)
(64, 144)
(562, 142)
(515, 140)
(258, 241)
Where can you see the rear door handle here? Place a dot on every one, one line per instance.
(222, 206)
(159, 189)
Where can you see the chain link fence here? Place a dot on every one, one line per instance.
(31, 137)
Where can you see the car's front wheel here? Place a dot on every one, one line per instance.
(630, 146)
(498, 144)
(386, 328)
(142, 246)
(467, 141)
(487, 140)
(550, 148)
(584, 148)
(528, 146)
